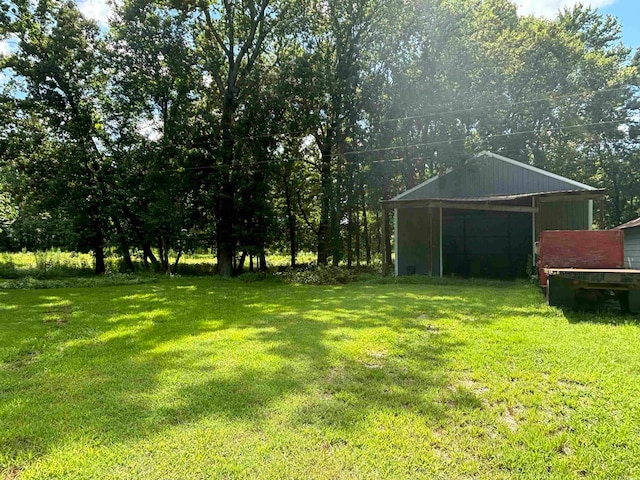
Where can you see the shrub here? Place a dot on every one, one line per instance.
(321, 275)
(254, 277)
(7, 267)
(78, 282)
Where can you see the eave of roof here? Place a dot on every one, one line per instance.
(593, 194)
(631, 224)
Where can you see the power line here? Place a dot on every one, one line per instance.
(404, 147)
(302, 134)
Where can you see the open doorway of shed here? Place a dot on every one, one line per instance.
(487, 244)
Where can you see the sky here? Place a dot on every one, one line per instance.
(627, 11)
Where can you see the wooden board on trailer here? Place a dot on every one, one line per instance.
(612, 277)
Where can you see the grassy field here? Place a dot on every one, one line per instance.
(207, 378)
(58, 264)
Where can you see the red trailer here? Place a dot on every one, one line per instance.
(586, 265)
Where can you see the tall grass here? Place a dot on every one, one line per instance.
(56, 264)
(50, 264)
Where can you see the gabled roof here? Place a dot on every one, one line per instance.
(488, 174)
(631, 224)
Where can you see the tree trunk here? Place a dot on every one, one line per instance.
(365, 224)
(225, 263)
(98, 253)
(378, 233)
(128, 262)
(240, 265)
(357, 236)
(324, 229)
(97, 244)
(350, 238)
(163, 252)
(387, 238)
(292, 222)
(138, 231)
(615, 201)
(336, 216)
(386, 230)
(124, 246)
(175, 264)
(386, 241)
(226, 207)
(148, 253)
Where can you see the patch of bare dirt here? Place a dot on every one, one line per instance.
(11, 473)
(509, 416)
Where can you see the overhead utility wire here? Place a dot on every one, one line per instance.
(403, 147)
(302, 134)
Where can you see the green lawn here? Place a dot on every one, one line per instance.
(206, 378)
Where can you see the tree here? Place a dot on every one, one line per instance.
(58, 61)
(158, 135)
(231, 39)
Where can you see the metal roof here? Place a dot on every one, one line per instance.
(536, 169)
(631, 224)
(498, 181)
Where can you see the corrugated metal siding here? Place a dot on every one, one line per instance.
(562, 216)
(632, 247)
(488, 176)
(486, 244)
(418, 241)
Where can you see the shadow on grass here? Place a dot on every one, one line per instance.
(599, 311)
(128, 362)
(608, 316)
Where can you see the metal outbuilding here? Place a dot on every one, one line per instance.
(482, 219)
(631, 243)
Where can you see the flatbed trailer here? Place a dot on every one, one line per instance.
(566, 287)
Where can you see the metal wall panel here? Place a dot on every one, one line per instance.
(418, 241)
(486, 244)
(632, 248)
(562, 216)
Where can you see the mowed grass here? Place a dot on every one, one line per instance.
(207, 378)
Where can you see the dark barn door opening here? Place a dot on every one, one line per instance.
(486, 244)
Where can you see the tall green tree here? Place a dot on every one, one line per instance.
(158, 134)
(57, 60)
(232, 39)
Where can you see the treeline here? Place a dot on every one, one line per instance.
(247, 126)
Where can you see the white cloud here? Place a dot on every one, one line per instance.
(550, 8)
(98, 10)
